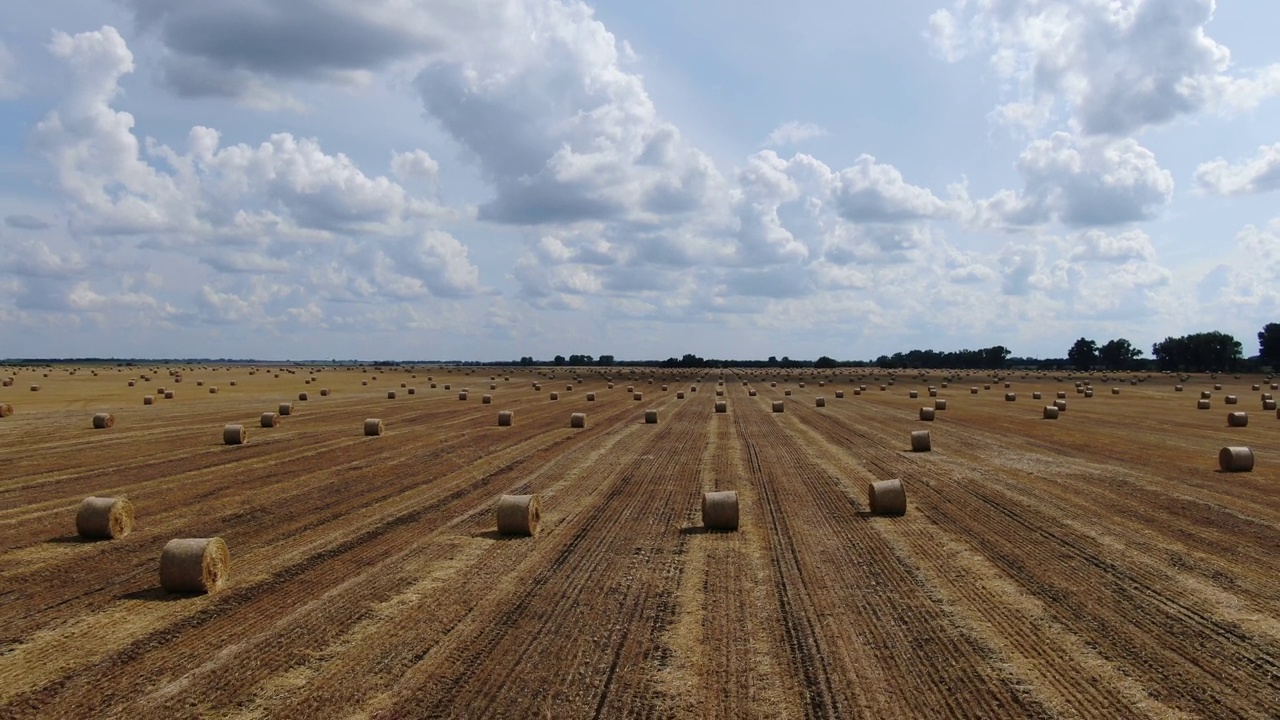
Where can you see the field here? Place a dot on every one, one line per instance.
(1098, 565)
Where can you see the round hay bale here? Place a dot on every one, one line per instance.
(839, 394)
(194, 565)
(103, 420)
(131, 383)
(148, 399)
(486, 399)
(973, 390)
(720, 510)
(555, 396)
(777, 406)
(199, 383)
(1010, 397)
(391, 394)
(920, 441)
(1205, 395)
(234, 435)
(303, 397)
(578, 420)
(373, 427)
(35, 388)
(1061, 405)
(787, 393)
(568, 388)
(887, 497)
(493, 386)
(773, 384)
(719, 392)
(412, 391)
(463, 395)
(270, 420)
(651, 417)
(722, 406)
(751, 393)
(1050, 412)
(1202, 404)
(940, 404)
(286, 408)
(104, 518)
(1177, 388)
(1088, 393)
(505, 418)
(1217, 386)
(680, 395)
(1268, 404)
(1235, 459)
(591, 397)
(913, 394)
(213, 390)
(1231, 399)
(1237, 419)
(5, 410)
(631, 388)
(637, 396)
(927, 414)
(1115, 391)
(1062, 394)
(518, 514)
(1036, 395)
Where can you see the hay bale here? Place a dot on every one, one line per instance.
(1050, 412)
(131, 383)
(103, 420)
(1036, 395)
(555, 396)
(591, 397)
(213, 390)
(35, 388)
(6, 409)
(1268, 404)
(1202, 404)
(486, 399)
(1231, 399)
(1061, 405)
(148, 399)
(412, 391)
(787, 393)
(286, 408)
(1010, 397)
(303, 397)
(518, 514)
(773, 384)
(973, 390)
(1205, 395)
(373, 427)
(631, 388)
(722, 406)
(887, 497)
(913, 394)
(1237, 419)
(1217, 386)
(927, 414)
(578, 420)
(720, 510)
(1177, 388)
(505, 418)
(1062, 394)
(920, 441)
(680, 395)
(1115, 391)
(463, 395)
(719, 392)
(839, 394)
(104, 518)
(234, 435)
(777, 406)
(637, 396)
(940, 404)
(1235, 459)
(194, 565)
(651, 417)
(270, 420)
(820, 402)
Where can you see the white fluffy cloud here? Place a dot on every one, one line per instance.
(1116, 65)
(793, 132)
(1258, 174)
(1082, 182)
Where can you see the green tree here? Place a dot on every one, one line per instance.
(1269, 345)
(824, 362)
(558, 361)
(1118, 354)
(1083, 354)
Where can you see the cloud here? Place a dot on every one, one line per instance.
(1257, 175)
(869, 191)
(26, 222)
(1098, 246)
(1082, 182)
(10, 88)
(794, 132)
(1116, 66)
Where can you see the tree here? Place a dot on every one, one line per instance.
(1198, 351)
(558, 361)
(824, 362)
(606, 360)
(526, 360)
(1118, 354)
(1269, 345)
(1083, 354)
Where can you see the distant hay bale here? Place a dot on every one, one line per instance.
(940, 404)
(234, 435)
(1037, 395)
(651, 417)
(554, 396)
(1235, 459)
(680, 395)
(839, 394)
(933, 392)
(486, 399)
(373, 427)
(1010, 397)
(6, 409)
(199, 383)
(631, 388)
(1202, 404)
(913, 394)
(1231, 399)
(391, 394)
(664, 388)
(131, 383)
(103, 420)
(920, 441)
(720, 510)
(787, 393)
(35, 388)
(1206, 394)
(463, 395)
(1062, 394)
(1061, 405)
(777, 406)
(1115, 391)
(578, 420)
(104, 518)
(1255, 387)
(286, 408)
(973, 390)
(518, 515)
(591, 397)
(1217, 386)
(1238, 419)
(1050, 412)
(1088, 393)
(637, 396)
(270, 419)
(412, 391)
(1268, 404)
(887, 497)
(820, 402)
(773, 384)
(1177, 388)
(493, 386)
(568, 388)
(722, 406)
(751, 393)
(927, 413)
(719, 392)
(505, 418)
(194, 565)
(213, 390)
(303, 397)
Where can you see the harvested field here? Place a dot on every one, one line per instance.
(1096, 566)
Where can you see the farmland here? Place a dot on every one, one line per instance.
(1097, 565)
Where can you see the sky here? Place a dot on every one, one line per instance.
(487, 179)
